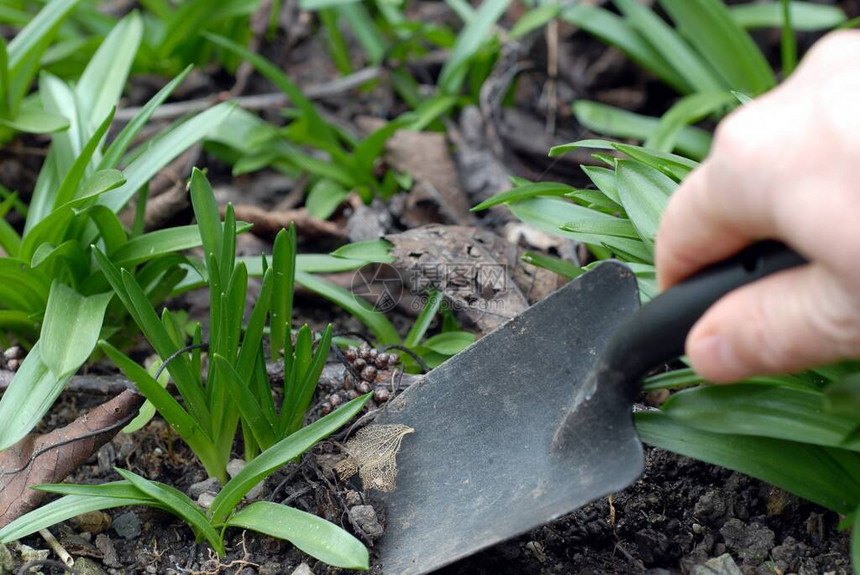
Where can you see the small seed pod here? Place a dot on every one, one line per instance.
(348, 381)
(350, 394)
(373, 353)
(359, 364)
(393, 359)
(381, 394)
(325, 408)
(364, 352)
(382, 359)
(13, 364)
(351, 353)
(335, 399)
(368, 373)
(363, 387)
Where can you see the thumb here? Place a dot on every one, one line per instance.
(790, 321)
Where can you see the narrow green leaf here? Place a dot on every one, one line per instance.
(685, 111)
(177, 503)
(71, 328)
(28, 398)
(533, 19)
(607, 120)
(283, 280)
(671, 46)
(708, 26)
(371, 251)
(62, 509)
(555, 265)
(164, 150)
(36, 122)
(805, 16)
(450, 343)
(618, 32)
(206, 212)
(186, 426)
(104, 78)
(530, 190)
(313, 535)
(252, 413)
(644, 194)
(69, 186)
(161, 242)
(549, 214)
(615, 227)
(279, 454)
(819, 474)
(424, 319)
(124, 139)
(324, 198)
(789, 42)
(470, 40)
(764, 411)
(359, 308)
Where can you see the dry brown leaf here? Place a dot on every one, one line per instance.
(51, 457)
(372, 453)
(479, 272)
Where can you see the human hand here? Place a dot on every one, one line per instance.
(785, 166)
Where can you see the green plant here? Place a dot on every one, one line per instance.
(707, 58)
(799, 432)
(20, 61)
(313, 535)
(236, 386)
(48, 276)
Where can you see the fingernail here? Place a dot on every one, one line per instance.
(715, 359)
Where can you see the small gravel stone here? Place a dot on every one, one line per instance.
(30, 554)
(302, 569)
(127, 525)
(353, 498)
(235, 466)
(86, 566)
(14, 352)
(751, 542)
(196, 489)
(205, 499)
(6, 562)
(722, 565)
(92, 522)
(105, 545)
(270, 568)
(365, 517)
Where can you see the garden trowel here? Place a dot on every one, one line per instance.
(535, 419)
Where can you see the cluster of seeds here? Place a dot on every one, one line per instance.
(375, 370)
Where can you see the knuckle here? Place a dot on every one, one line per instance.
(836, 47)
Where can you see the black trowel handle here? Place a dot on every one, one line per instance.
(657, 332)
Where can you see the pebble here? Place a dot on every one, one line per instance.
(365, 517)
(86, 566)
(353, 498)
(751, 542)
(105, 545)
(6, 562)
(30, 554)
(235, 466)
(127, 525)
(14, 352)
(195, 490)
(722, 565)
(270, 568)
(302, 569)
(93, 522)
(205, 499)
